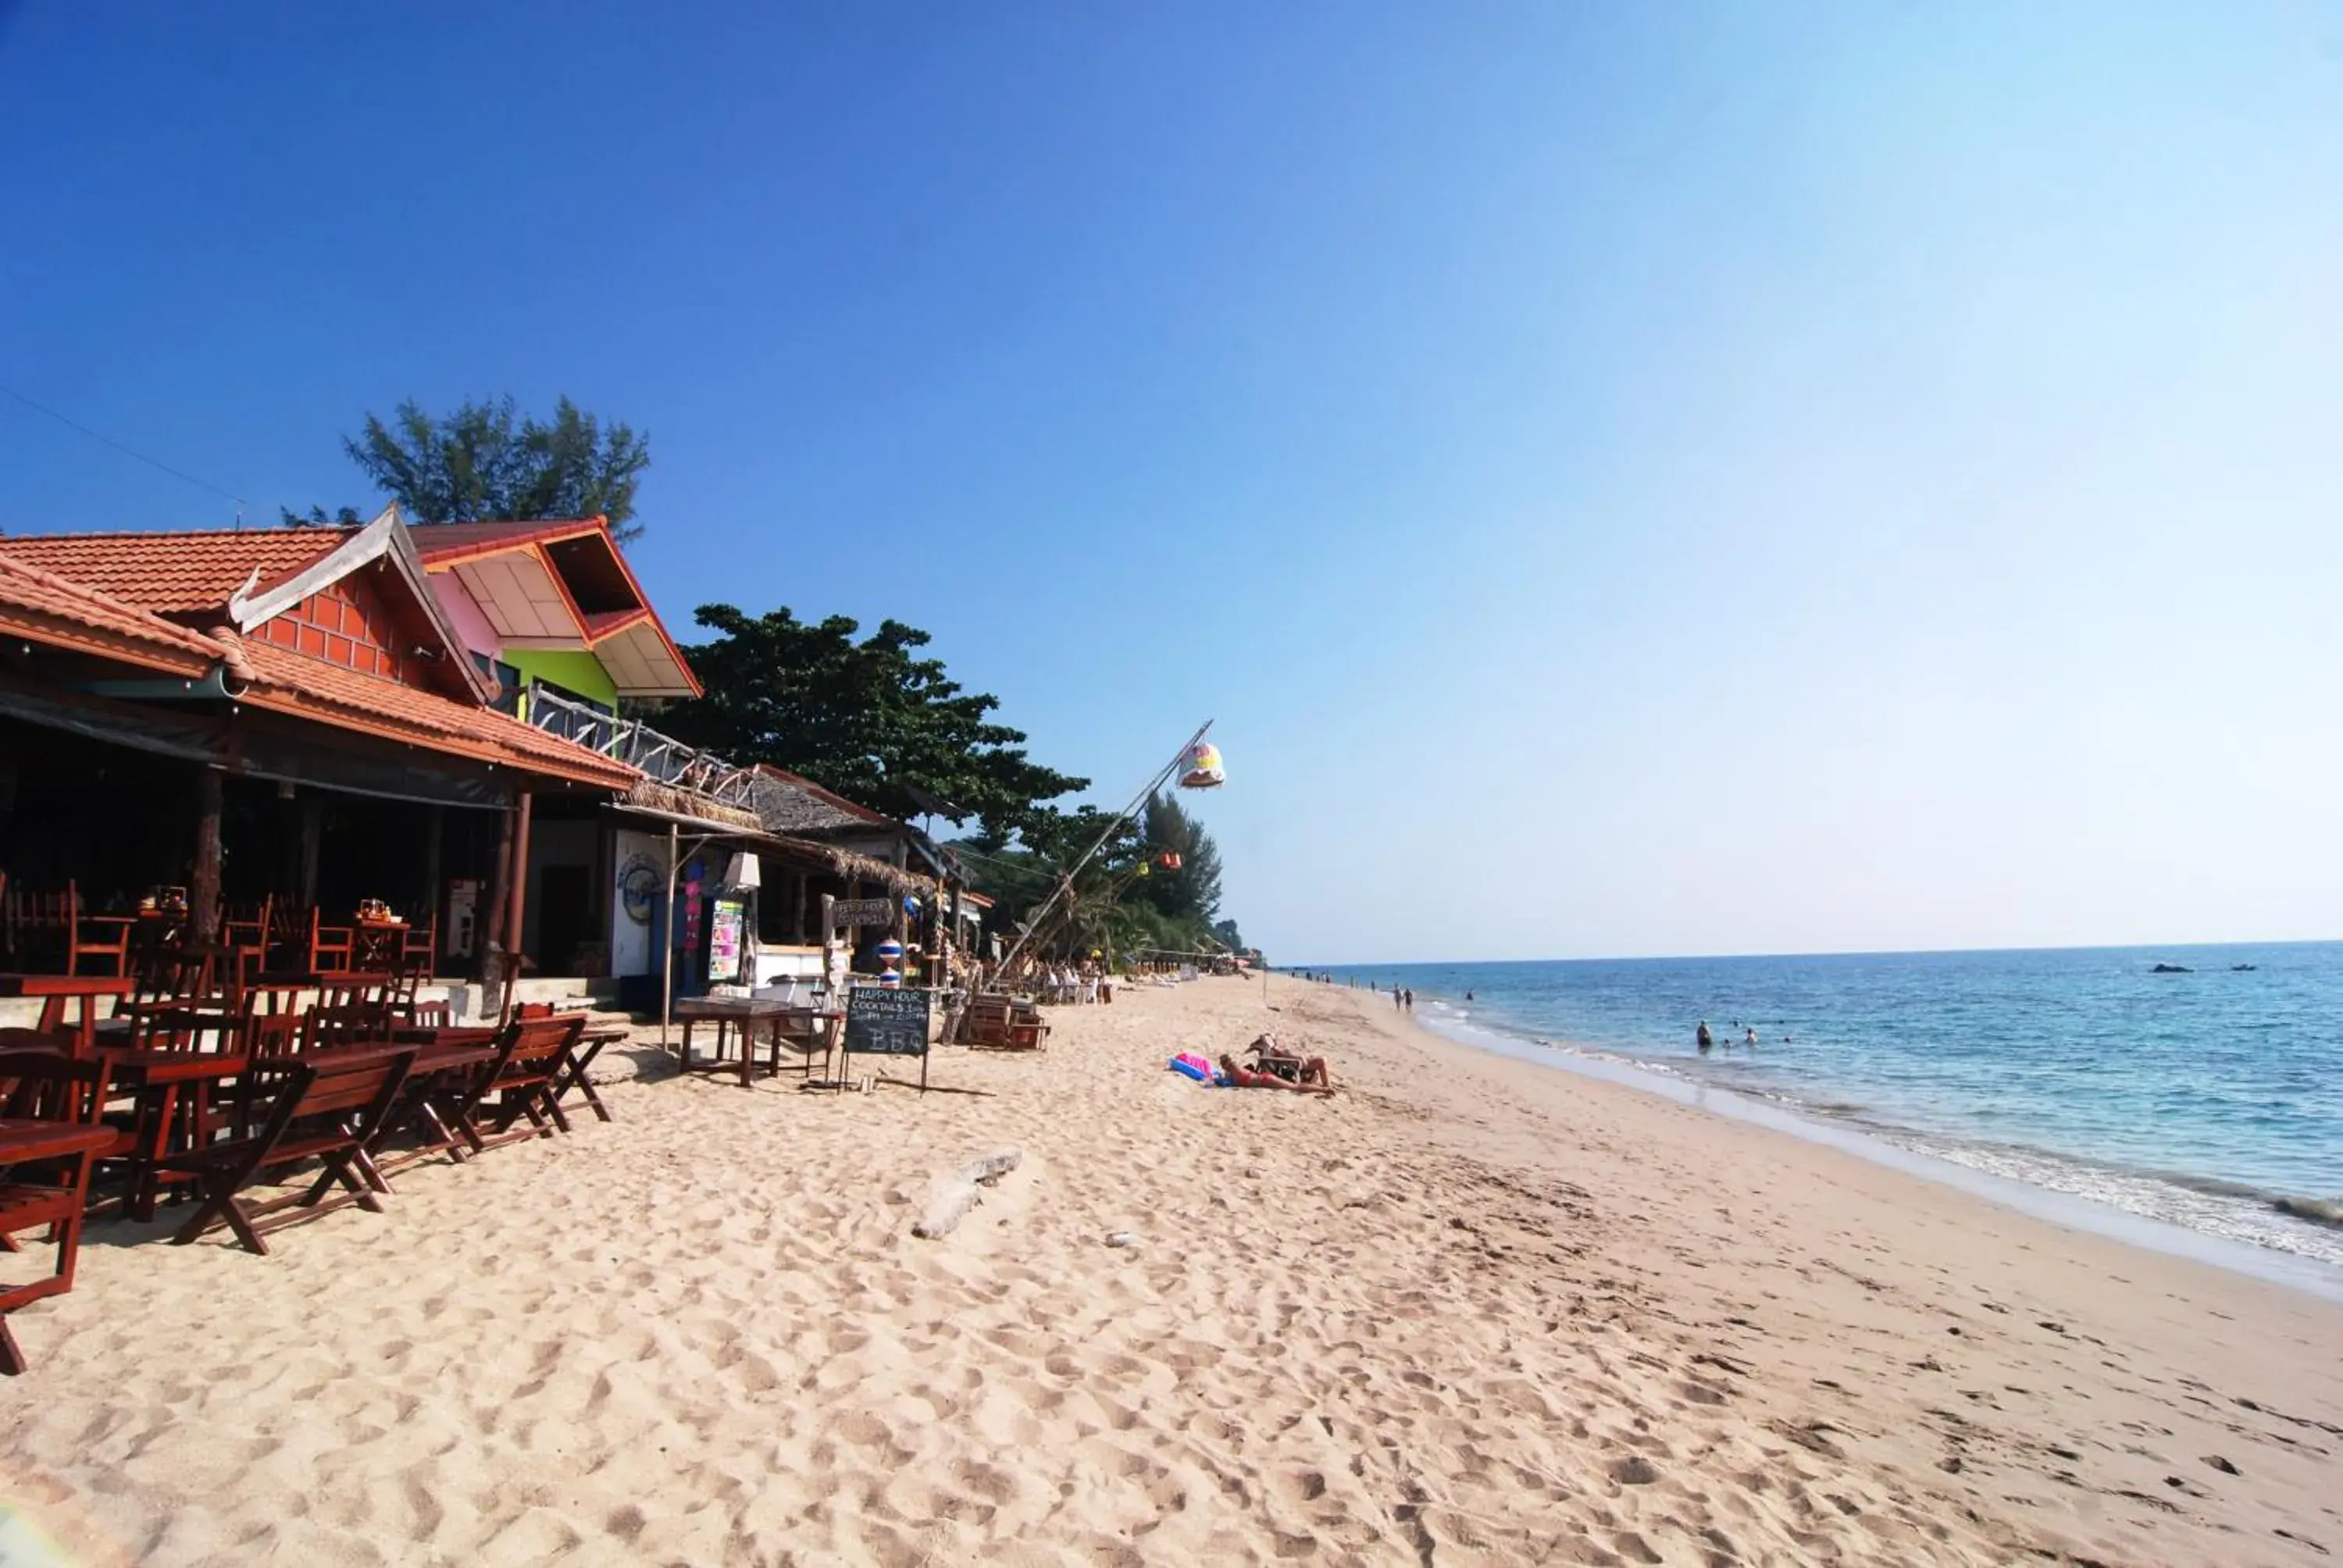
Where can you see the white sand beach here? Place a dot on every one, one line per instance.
(1468, 1310)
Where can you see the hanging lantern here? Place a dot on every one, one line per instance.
(1201, 768)
(1168, 860)
(890, 980)
(889, 952)
(911, 905)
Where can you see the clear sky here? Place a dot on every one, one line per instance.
(1627, 478)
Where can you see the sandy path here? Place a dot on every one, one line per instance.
(1470, 1311)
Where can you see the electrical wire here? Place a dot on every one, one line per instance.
(126, 451)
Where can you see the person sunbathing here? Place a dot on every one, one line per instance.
(1313, 1077)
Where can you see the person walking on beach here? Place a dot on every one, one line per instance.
(1410, 1001)
(1396, 1003)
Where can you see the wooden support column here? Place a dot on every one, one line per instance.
(490, 914)
(516, 924)
(313, 832)
(434, 834)
(204, 882)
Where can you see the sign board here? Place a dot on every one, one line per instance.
(724, 938)
(886, 1022)
(864, 912)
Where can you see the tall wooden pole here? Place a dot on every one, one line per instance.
(203, 884)
(488, 915)
(516, 924)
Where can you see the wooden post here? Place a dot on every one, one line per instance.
(667, 952)
(313, 832)
(435, 832)
(490, 914)
(204, 884)
(829, 902)
(516, 925)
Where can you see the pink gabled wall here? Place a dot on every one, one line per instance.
(465, 614)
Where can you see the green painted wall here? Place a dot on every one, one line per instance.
(580, 672)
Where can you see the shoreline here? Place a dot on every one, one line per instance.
(1925, 1157)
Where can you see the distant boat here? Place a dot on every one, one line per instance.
(2240, 969)
(2171, 970)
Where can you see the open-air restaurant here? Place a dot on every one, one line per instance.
(315, 844)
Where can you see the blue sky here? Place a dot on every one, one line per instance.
(1626, 479)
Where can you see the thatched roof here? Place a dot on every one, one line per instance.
(802, 809)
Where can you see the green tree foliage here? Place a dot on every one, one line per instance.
(1124, 899)
(869, 718)
(1191, 894)
(345, 517)
(482, 462)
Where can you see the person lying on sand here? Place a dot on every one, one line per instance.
(1315, 1077)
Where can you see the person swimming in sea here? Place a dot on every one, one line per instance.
(1705, 1038)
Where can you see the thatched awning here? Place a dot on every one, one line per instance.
(674, 802)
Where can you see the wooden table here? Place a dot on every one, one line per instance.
(23, 1142)
(55, 991)
(376, 944)
(441, 1082)
(573, 1072)
(749, 1013)
(158, 1079)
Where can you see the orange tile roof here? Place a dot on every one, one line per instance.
(174, 572)
(289, 682)
(41, 606)
(441, 543)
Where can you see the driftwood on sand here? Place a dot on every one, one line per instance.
(955, 1193)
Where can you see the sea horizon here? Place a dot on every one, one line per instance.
(2205, 1096)
(1330, 965)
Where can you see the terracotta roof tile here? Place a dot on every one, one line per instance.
(41, 606)
(292, 682)
(174, 572)
(439, 542)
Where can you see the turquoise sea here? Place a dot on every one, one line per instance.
(2210, 1099)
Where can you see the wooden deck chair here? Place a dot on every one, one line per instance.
(51, 1191)
(335, 1110)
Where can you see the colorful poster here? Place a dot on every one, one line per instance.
(724, 939)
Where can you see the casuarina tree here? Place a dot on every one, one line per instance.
(871, 716)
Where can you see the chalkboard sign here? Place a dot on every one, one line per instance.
(886, 1022)
(863, 912)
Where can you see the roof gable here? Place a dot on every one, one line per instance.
(562, 584)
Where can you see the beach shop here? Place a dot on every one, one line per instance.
(278, 731)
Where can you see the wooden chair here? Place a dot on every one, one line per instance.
(40, 921)
(348, 1011)
(165, 977)
(49, 1183)
(336, 1109)
(531, 1058)
(330, 947)
(419, 945)
(244, 930)
(101, 936)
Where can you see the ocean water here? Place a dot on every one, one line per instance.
(2211, 1100)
